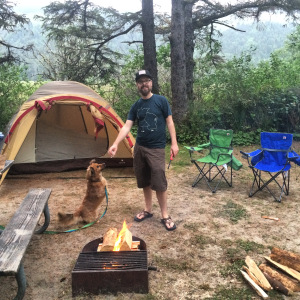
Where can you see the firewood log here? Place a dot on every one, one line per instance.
(279, 280)
(256, 287)
(288, 270)
(277, 285)
(286, 258)
(109, 240)
(257, 273)
(251, 275)
(126, 241)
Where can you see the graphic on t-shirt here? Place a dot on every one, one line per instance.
(147, 120)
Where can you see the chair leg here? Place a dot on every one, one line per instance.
(209, 177)
(200, 175)
(222, 173)
(261, 184)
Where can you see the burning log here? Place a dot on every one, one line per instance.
(109, 240)
(124, 240)
(280, 281)
(256, 274)
(286, 258)
(112, 241)
(287, 270)
(256, 287)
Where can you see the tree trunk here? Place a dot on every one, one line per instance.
(189, 45)
(178, 62)
(149, 45)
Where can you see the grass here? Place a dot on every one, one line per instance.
(225, 293)
(174, 264)
(233, 211)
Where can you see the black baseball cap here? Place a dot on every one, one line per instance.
(141, 73)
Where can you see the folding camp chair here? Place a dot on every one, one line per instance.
(271, 163)
(219, 158)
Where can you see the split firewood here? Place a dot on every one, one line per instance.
(135, 245)
(286, 269)
(280, 281)
(256, 287)
(126, 241)
(109, 240)
(251, 275)
(257, 273)
(286, 258)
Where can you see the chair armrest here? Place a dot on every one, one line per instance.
(292, 155)
(251, 154)
(197, 148)
(229, 153)
(203, 146)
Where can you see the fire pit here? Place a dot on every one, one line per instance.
(110, 271)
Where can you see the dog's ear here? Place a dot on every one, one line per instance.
(92, 161)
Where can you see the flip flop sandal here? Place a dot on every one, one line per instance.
(146, 215)
(165, 221)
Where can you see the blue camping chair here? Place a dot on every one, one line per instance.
(273, 159)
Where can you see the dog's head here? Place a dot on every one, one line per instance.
(94, 171)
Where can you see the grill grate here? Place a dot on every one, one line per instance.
(124, 260)
(110, 272)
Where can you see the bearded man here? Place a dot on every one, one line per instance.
(152, 113)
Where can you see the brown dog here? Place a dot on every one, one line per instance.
(95, 194)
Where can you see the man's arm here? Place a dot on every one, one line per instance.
(171, 127)
(121, 136)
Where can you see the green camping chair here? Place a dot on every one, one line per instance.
(214, 165)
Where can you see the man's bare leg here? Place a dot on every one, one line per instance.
(148, 202)
(162, 200)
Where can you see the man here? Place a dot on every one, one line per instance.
(152, 113)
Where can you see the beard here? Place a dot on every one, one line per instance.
(145, 91)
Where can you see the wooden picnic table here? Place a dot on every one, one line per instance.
(7, 165)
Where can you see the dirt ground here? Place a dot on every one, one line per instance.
(199, 260)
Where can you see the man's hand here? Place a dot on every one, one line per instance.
(112, 150)
(174, 150)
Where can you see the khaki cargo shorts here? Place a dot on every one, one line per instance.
(149, 167)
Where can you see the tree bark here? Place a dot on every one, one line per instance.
(286, 258)
(178, 62)
(149, 44)
(189, 46)
(280, 281)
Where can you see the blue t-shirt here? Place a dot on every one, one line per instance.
(151, 115)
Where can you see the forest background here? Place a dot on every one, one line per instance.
(246, 76)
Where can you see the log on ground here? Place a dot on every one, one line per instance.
(280, 281)
(286, 258)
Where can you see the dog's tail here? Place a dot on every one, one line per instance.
(68, 219)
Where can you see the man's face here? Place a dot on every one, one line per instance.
(144, 85)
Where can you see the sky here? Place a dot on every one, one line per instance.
(32, 7)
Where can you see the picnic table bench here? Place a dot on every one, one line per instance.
(8, 164)
(17, 234)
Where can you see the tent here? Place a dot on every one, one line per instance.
(62, 126)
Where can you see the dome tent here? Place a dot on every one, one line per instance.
(62, 126)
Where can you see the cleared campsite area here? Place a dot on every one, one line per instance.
(199, 260)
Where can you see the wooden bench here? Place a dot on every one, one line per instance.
(17, 234)
(7, 165)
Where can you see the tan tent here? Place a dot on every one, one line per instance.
(62, 126)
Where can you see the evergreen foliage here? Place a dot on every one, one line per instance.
(14, 90)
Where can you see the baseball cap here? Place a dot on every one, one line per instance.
(141, 73)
